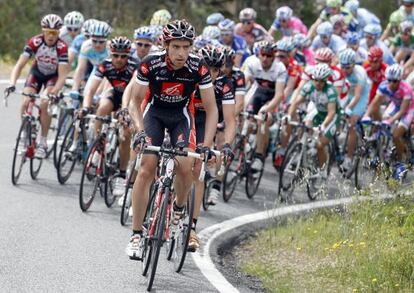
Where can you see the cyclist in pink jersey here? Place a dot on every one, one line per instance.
(287, 24)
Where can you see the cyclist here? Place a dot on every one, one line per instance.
(403, 44)
(214, 57)
(372, 33)
(73, 22)
(405, 12)
(118, 70)
(237, 43)
(159, 19)
(49, 70)
(375, 69)
(214, 18)
(76, 45)
(211, 32)
(303, 55)
(169, 77)
(362, 16)
(94, 51)
(340, 28)
(352, 41)
(326, 38)
(269, 76)
(323, 109)
(144, 39)
(357, 101)
(250, 30)
(287, 24)
(392, 28)
(237, 78)
(399, 96)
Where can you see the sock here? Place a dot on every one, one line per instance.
(122, 173)
(134, 232)
(194, 225)
(177, 208)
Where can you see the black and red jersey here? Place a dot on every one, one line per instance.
(47, 58)
(118, 78)
(238, 81)
(169, 88)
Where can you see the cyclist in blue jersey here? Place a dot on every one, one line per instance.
(372, 34)
(94, 51)
(76, 45)
(326, 38)
(362, 16)
(352, 41)
(237, 43)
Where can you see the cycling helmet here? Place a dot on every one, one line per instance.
(226, 25)
(228, 52)
(247, 14)
(100, 29)
(161, 17)
(211, 32)
(396, 18)
(215, 18)
(352, 5)
(394, 72)
(352, 38)
(87, 25)
(334, 19)
(213, 56)
(144, 32)
(373, 29)
(51, 21)
(406, 25)
(120, 45)
(265, 47)
(321, 71)
(375, 53)
(324, 55)
(285, 44)
(178, 30)
(284, 12)
(408, 1)
(200, 42)
(73, 19)
(347, 57)
(301, 41)
(333, 3)
(325, 28)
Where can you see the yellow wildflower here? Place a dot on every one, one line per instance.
(374, 280)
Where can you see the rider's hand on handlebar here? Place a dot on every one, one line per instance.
(139, 141)
(227, 152)
(10, 89)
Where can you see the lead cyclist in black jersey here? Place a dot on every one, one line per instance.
(160, 100)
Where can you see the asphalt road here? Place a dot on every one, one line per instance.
(47, 244)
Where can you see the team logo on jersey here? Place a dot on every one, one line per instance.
(119, 85)
(203, 70)
(144, 69)
(172, 88)
(226, 88)
(240, 82)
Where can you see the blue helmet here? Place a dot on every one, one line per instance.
(285, 44)
(215, 18)
(352, 5)
(100, 29)
(144, 32)
(301, 41)
(201, 42)
(373, 29)
(394, 72)
(347, 57)
(352, 38)
(211, 32)
(325, 28)
(226, 25)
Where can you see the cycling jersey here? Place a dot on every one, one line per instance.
(93, 56)
(65, 36)
(336, 44)
(376, 77)
(359, 77)
(361, 56)
(258, 33)
(305, 57)
(47, 58)
(363, 17)
(76, 44)
(387, 55)
(325, 14)
(398, 42)
(293, 71)
(238, 82)
(239, 46)
(295, 25)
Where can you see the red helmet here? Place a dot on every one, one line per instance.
(178, 30)
(324, 55)
(375, 53)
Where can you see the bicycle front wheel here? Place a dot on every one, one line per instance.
(67, 158)
(21, 150)
(290, 172)
(65, 122)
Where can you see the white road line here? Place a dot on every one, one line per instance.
(7, 81)
(208, 235)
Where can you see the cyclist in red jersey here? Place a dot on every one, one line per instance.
(167, 80)
(375, 68)
(49, 70)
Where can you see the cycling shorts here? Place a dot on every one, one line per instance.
(259, 99)
(318, 118)
(405, 121)
(200, 126)
(36, 79)
(115, 97)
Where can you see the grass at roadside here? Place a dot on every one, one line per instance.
(369, 247)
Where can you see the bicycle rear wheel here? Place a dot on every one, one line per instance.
(35, 163)
(126, 203)
(291, 171)
(232, 175)
(21, 150)
(67, 159)
(157, 242)
(90, 179)
(253, 178)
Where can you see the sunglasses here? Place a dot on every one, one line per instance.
(408, 4)
(281, 56)
(122, 56)
(51, 32)
(319, 80)
(267, 55)
(145, 45)
(392, 80)
(226, 33)
(324, 36)
(346, 66)
(72, 29)
(246, 21)
(97, 41)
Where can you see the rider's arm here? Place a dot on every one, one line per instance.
(238, 59)
(23, 59)
(290, 86)
(63, 70)
(277, 99)
(295, 104)
(90, 92)
(403, 110)
(312, 29)
(357, 95)
(79, 73)
(138, 92)
(375, 104)
(386, 33)
(71, 58)
(330, 116)
(230, 122)
(126, 97)
(209, 103)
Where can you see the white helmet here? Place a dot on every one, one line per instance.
(73, 19)
(325, 28)
(284, 12)
(87, 25)
(247, 14)
(347, 57)
(394, 72)
(100, 29)
(51, 21)
(321, 71)
(211, 32)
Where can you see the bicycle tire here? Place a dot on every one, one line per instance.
(207, 188)
(65, 123)
(160, 230)
(253, 179)
(35, 163)
(85, 204)
(147, 250)
(63, 158)
(126, 203)
(25, 126)
(229, 185)
(292, 158)
(313, 190)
